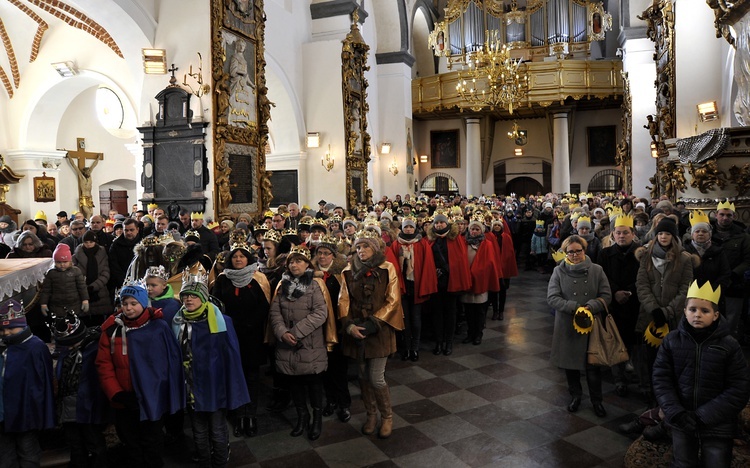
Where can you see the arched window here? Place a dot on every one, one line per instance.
(439, 183)
(609, 180)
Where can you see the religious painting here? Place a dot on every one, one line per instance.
(240, 67)
(599, 21)
(44, 189)
(241, 108)
(602, 145)
(444, 149)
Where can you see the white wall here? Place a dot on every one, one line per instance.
(580, 171)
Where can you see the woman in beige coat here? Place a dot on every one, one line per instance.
(299, 321)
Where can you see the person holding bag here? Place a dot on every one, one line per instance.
(574, 289)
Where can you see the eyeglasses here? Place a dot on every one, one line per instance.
(76, 229)
(574, 252)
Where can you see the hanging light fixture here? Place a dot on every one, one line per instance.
(393, 168)
(493, 79)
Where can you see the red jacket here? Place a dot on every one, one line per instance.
(425, 275)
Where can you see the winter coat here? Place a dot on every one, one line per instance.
(666, 292)
(42, 252)
(736, 246)
(570, 287)
(538, 244)
(714, 267)
(621, 268)
(121, 253)
(709, 378)
(303, 317)
(99, 301)
(63, 290)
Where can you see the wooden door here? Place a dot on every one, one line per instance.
(113, 200)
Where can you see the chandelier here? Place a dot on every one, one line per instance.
(492, 80)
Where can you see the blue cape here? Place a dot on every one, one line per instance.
(218, 379)
(28, 399)
(169, 307)
(156, 370)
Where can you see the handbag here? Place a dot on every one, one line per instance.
(606, 347)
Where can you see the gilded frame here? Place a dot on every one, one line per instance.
(45, 189)
(240, 103)
(599, 21)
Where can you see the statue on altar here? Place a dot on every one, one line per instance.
(84, 186)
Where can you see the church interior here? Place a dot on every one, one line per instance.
(238, 106)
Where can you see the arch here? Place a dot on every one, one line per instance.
(422, 23)
(608, 180)
(524, 186)
(439, 183)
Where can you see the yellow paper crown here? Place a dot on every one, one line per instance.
(268, 214)
(191, 233)
(272, 236)
(725, 205)
(367, 234)
(288, 232)
(584, 311)
(584, 218)
(539, 223)
(698, 216)
(329, 239)
(616, 211)
(196, 215)
(212, 225)
(305, 221)
(152, 206)
(654, 336)
(558, 256)
(609, 206)
(575, 216)
(704, 292)
(300, 250)
(624, 220)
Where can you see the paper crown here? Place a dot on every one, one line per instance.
(15, 311)
(558, 256)
(268, 214)
(584, 218)
(240, 244)
(587, 313)
(334, 219)
(156, 272)
(192, 233)
(238, 235)
(260, 228)
(150, 241)
(152, 206)
(196, 215)
(305, 221)
(561, 215)
(624, 220)
(300, 250)
(66, 328)
(289, 232)
(704, 292)
(609, 207)
(195, 283)
(725, 205)
(539, 223)
(213, 225)
(367, 234)
(654, 336)
(616, 211)
(698, 216)
(272, 236)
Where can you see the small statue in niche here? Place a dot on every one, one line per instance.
(241, 88)
(652, 127)
(706, 176)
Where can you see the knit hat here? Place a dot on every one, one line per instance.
(195, 284)
(89, 236)
(640, 205)
(62, 214)
(440, 217)
(68, 330)
(12, 315)
(137, 292)
(667, 225)
(370, 238)
(476, 221)
(584, 222)
(61, 253)
(408, 221)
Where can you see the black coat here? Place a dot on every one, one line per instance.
(714, 267)
(710, 378)
(621, 268)
(120, 255)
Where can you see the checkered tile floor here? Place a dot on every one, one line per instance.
(496, 404)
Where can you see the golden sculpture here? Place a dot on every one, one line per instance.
(707, 176)
(740, 177)
(659, 18)
(672, 178)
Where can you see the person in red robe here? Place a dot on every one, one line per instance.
(507, 260)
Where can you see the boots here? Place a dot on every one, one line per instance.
(438, 348)
(316, 427)
(280, 400)
(240, 425)
(368, 398)
(383, 398)
(303, 421)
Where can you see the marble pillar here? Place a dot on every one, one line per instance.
(560, 153)
(473, 158)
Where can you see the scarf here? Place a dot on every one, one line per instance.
(701, 247)
(659, 257)
(242, 277)
(168, 293)
(701, 334)
(588, 237)
(18, 338)
(92, 266)
(295, 287)
(360, 268)
(475, 241)
(441, 232)
(413, 237)
(407, 254)
(207, 311)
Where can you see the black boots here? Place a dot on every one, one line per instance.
(575, 403)
(448, 348)
(438, 348)
(251, 426)
(303, 421)
(240, 426)
(317, 424)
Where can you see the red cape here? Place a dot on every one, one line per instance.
(425, 274)
(459, 278)
(496, 254)
(484, 270)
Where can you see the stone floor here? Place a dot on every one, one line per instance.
(496, 404)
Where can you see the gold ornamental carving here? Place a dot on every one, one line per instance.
(623, 156)
(659, 18)
(707, 176)
(672, 178)
(727, 13)
(354, 92)
(740, 177)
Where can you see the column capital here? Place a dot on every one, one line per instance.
(473, 120)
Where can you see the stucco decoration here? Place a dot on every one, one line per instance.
(659, 18)
(623, 156)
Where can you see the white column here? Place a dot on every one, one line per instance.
(473, 158)
(560, 153)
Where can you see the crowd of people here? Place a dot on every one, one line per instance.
(155, 318)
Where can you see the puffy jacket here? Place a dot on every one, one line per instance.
(736, 246)
(709, 378)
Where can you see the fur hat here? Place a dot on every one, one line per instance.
(61, 253)
(667, 225)
(12, 315)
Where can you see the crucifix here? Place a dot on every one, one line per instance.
(84, 174)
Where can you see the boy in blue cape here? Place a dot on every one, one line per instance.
(27, 403)
(213, 370)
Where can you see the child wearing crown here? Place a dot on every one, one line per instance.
(701, 382)
(140, 371)
(539, 246)
(26, 398)
(214, 380)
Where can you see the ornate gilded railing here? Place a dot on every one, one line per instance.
(549, 82)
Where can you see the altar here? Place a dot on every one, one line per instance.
(20, 276)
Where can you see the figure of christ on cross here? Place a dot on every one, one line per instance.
(84, 175)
